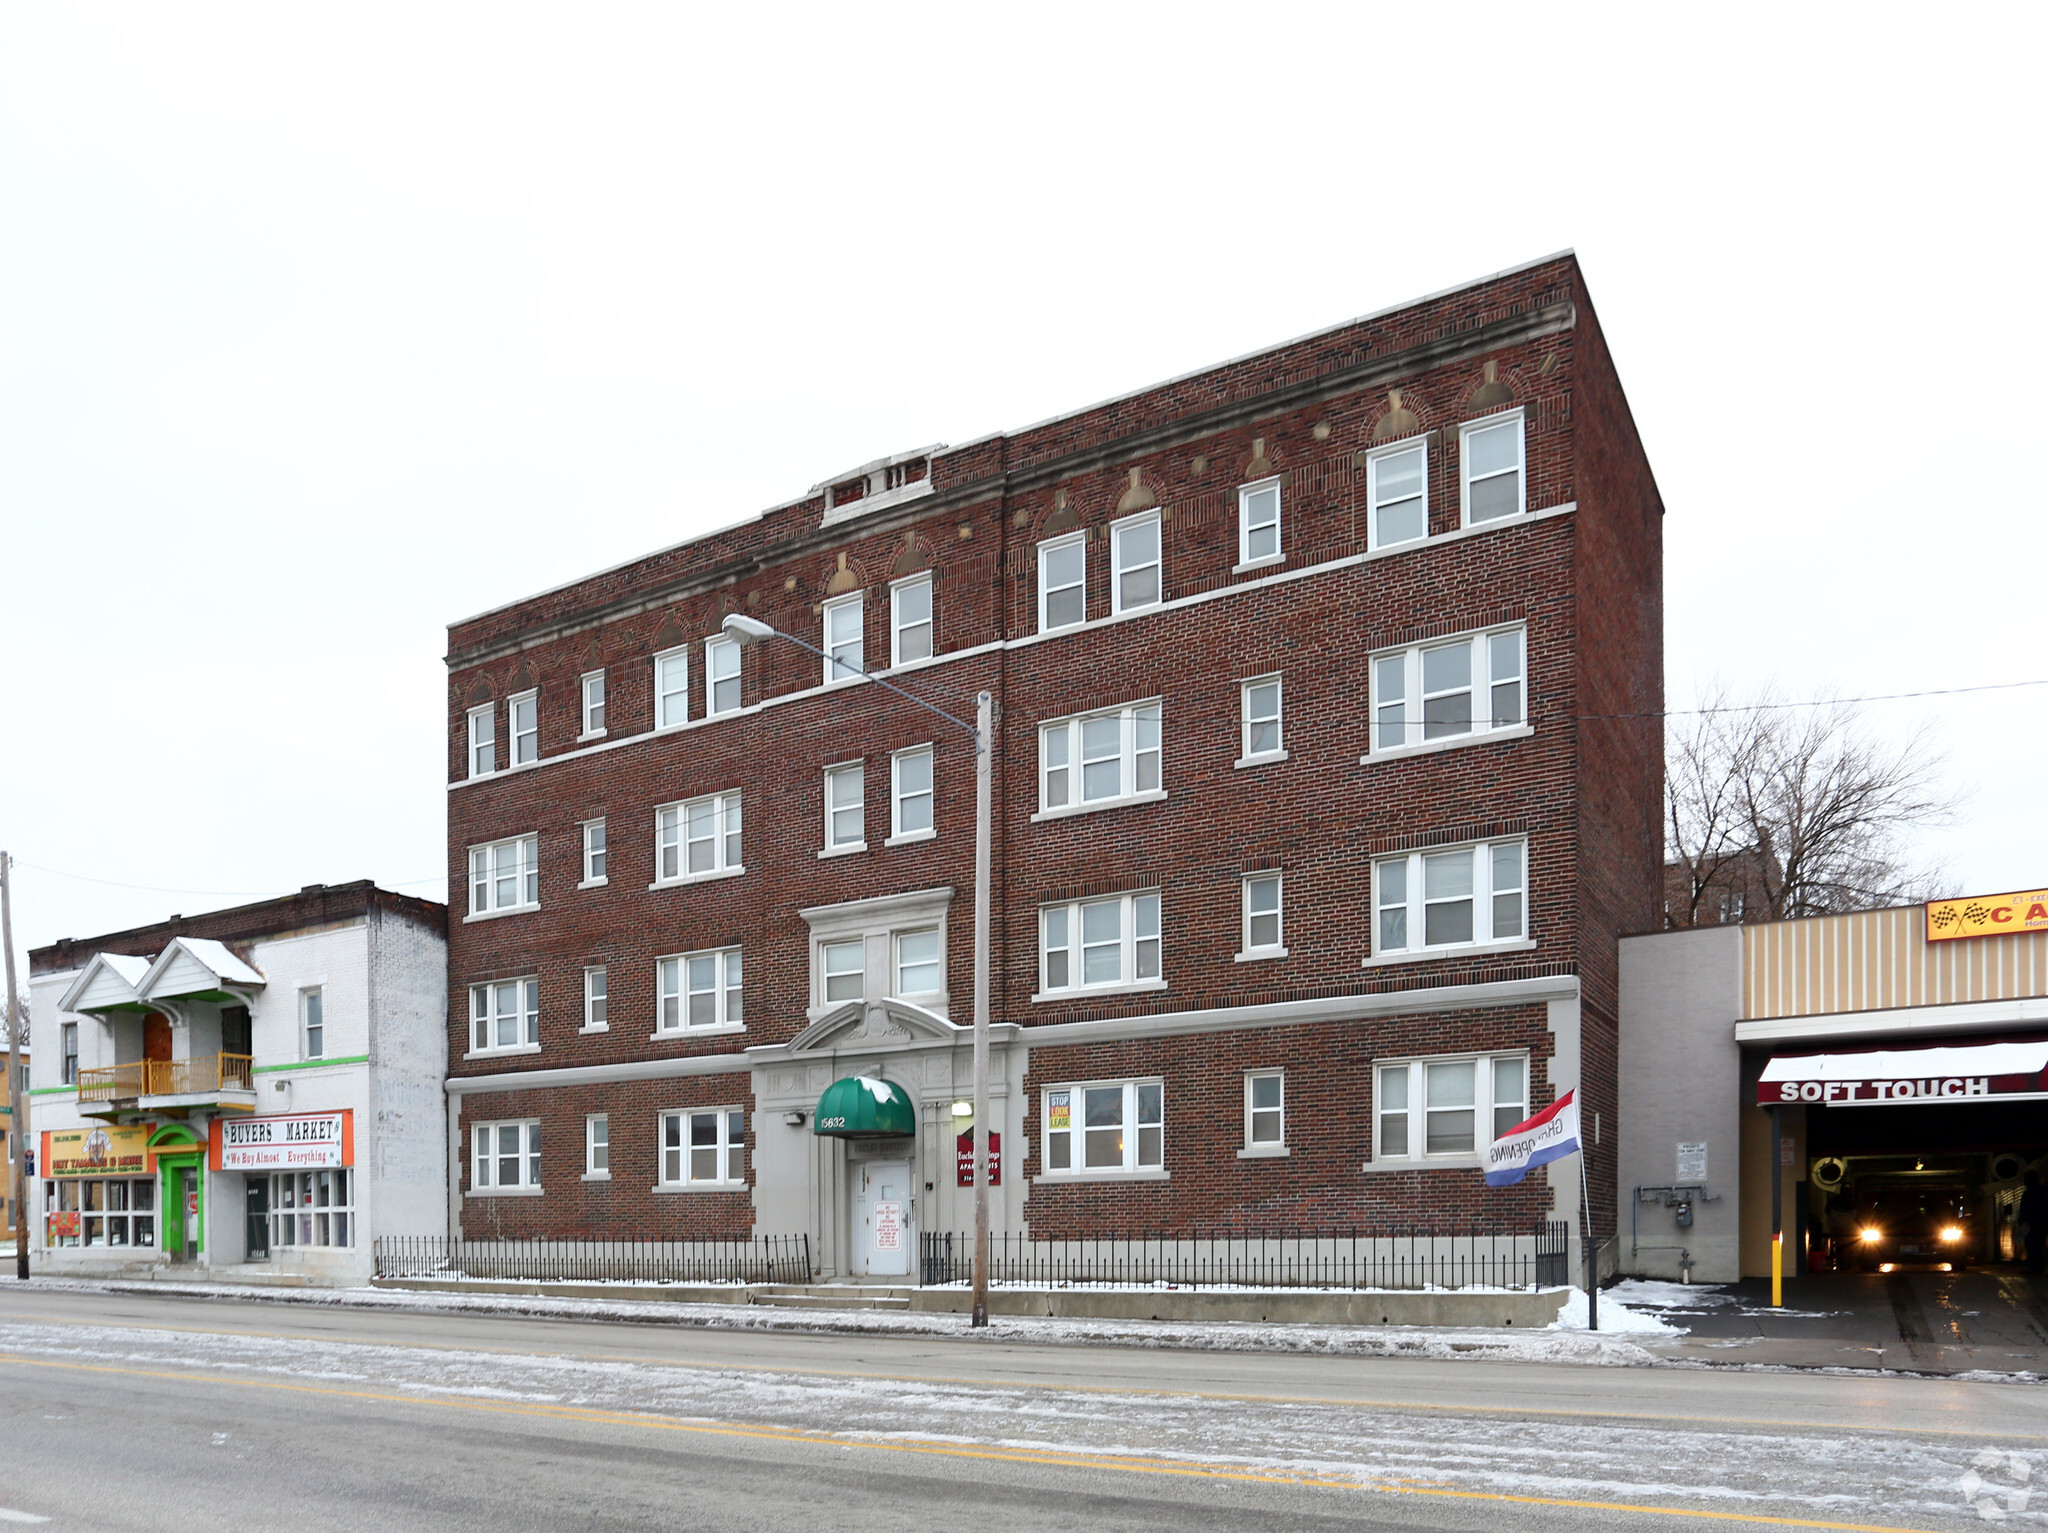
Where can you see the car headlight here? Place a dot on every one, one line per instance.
(1952, 1233)
(1870, 1235)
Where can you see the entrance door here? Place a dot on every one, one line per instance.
(156, 1037)
(259, 1217)
(882, 1213)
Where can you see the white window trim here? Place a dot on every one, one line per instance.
(1246, 953)
(518, 907)
(722, 990)
(712, 648)
(1245, 562)
(512, 761)
(1075, 1172)
(1247, 757)
(1127, 936)
(529, 1135)
(1465, 429)
(590, 1122)
(1411, 670)
(1275, 1151)
(498, 1050)
(1127, 760)
(1079, 540)
(675, 652)
(486, 711)
(828, 665)
(1482, 1096)
(896, 628)
(308, 992)
(896, 962)
(1372, 491)
(718, 870)
(588, 1025)
(725, 1148)
(1116, 585)
(898, 836)
(850, 847)
(1482, 901)
(583, 706)
(583, 839)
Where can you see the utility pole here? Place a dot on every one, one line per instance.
(984, 798)
(17, 1147)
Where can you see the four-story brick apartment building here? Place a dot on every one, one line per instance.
(1329, 768)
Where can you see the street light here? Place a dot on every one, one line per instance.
(747, 630)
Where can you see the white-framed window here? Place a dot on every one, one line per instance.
(594, 860)
(1258, 522)
(910, 793)
(1260, 711)
(699, 838)
(1099, 944)
(1261, 932)
(1450, 689)
(1448, 1105)
(505, 1154)
(1134, 563)
(504, 875)
(1397, 494)
(312, 1208)
(483, 740)
(597, 1146)
(1063, 581)
(591, 690)
(1105, 1127)
(1265, 1109)
(1465, 896)
(1099, 758)
(910, 620)
(313, 1022)
(920, 962)
(704, 1149)
(842, 971)
(522, 721)
(596, 999)
(101, 1211)
(721, 676)
(845, 638)
(1490, 463)
(672, 687)
(699, 990)
(504, 1014)
(846, 807)
(69, 1061)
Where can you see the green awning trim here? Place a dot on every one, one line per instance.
(861, 1107)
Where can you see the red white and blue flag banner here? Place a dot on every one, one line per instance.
(1550, 1135)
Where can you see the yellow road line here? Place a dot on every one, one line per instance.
(1124, 1464)
(1986, 1434)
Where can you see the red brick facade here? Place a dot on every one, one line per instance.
(1582, 569)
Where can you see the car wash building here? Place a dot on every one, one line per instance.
(255, 1091)
(1869, 1086)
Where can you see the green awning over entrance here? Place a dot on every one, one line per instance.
(861, 1107)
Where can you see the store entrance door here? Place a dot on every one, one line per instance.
(259, 1218)
(882, 1213)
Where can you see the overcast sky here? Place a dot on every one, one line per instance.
(323, 326)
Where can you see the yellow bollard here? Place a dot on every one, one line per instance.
(1778, 1271)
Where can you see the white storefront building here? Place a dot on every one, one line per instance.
(254, 1091)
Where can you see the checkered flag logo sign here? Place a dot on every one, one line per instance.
(1996, 1484)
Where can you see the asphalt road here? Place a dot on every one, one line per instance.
(121, 1411)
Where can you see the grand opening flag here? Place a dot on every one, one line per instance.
(1552, 1133)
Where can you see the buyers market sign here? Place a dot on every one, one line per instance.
(1987, 915)
(109, 1151)
(288, 1142)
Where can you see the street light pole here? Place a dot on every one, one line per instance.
(747, 630)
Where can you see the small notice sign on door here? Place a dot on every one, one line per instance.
(888, 1226)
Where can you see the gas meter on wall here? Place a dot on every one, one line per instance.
(1683, 1210)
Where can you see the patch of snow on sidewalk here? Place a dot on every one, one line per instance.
(1615, 1314)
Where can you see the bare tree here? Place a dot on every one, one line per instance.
(20, 1011)
(1801, 807)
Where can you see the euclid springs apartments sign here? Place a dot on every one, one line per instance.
(285, 1143)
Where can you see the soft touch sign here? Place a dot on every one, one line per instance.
(289, 1142)
(1987, 915)
(1965, 1073)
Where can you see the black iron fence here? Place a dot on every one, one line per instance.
(761, 1259)
(1292, 1258)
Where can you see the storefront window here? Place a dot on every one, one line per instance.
(312, 1208)
(100, 1211)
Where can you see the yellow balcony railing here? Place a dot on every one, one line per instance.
(165, 1077)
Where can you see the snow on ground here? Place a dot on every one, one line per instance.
(1765, 1471)
(1616, 1314)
